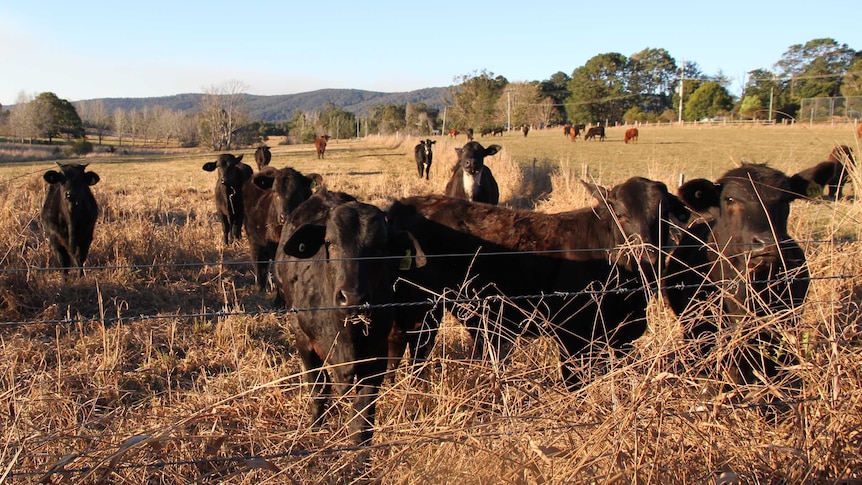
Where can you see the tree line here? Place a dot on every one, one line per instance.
(646, 86)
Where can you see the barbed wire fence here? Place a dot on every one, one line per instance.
(256, 460)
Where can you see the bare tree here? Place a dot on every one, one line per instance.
(120, 124)
(22, 118)
(95, 115)
(223, 111)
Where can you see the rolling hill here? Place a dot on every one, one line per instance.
(282, 107)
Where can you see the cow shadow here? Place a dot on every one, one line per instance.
(535, 185)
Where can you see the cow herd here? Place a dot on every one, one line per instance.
(352, 273)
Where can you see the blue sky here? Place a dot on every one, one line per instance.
(95, 49)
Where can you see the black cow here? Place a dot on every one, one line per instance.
(497, 131)
(232, 174)
(262, 156)
(557, 255)
(69, 214)
(469, 133)
(486, 131)
(595, 131)
(424, 156)
(833, 173)
(333, 257)
(740, 264)
(525, 129)
(471, 179)
(269, 197)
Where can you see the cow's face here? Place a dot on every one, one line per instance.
(642, 212)
(753, 204)
(426, 145)
(74, 182)
(231, 172)
(471, 157)
(354, 241)
(292, 188)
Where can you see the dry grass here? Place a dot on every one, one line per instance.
(205, 388)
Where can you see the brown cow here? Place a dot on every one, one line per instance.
(525, 129)
(320, 145)
(859, 130)
(269, 198)
(262, 156)
(832, 173)
(542, 254)
(454, 133)
(631, 135)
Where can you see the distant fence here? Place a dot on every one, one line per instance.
(839, 109)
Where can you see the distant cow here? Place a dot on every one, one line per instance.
(595, 131)
(612, 246)
(832, 173)
(485, 131)
(859, 130)
(525, 129)
(567, 130)
(469, 134)
(262, 156)
(743, 263)
(320, 145)
(232, 174)
(454, 133)
(497, 131)
(269, 197)
(335, 256)
(631, 135)
(69, 214)
(424, 156)
(471, 179)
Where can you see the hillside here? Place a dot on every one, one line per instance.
(282, 107)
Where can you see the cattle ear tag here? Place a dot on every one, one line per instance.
(406, 261)
(814, 190)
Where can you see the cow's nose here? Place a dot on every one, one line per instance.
(762, 245)
(350, 297)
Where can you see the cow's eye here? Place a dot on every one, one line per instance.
(730, 200)
(68, 195)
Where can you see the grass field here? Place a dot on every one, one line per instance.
(162, 364)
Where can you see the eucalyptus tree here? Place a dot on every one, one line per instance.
(472, 100)
(598, 90)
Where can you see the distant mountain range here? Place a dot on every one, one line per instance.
(282, 107)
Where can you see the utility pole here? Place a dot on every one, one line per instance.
(509, 110)
(443, 131)
(681, 88)
(771, 89)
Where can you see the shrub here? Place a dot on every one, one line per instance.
(80, 147)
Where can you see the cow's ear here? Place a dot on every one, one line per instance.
(432, 141)
(263, 182)
(238, 159)
(53, 176)
(700, 194)
(404, 244)
(92, 178)
(597, 191)
(316, 180)
(210, 166)
(306, 241)
(492, 150)
(801, 187)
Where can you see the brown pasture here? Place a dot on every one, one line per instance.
(163, 365)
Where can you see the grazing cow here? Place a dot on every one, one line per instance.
(471, 179)
(631, 135)
(424, 156)
(262, 156)
(486, 131)
(595, 131)
(525, 129)
(335, 256)
(859, 130)
(454, 133)
(556, 255)
(69, 214)
(832, 173)
(740, 264)
(497, 131)
(469, 134)
(567, 130)
(320, 145)
(232, 174)
(269, 197)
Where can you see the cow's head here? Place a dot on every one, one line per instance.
(642, 213)
(75, 182)
(752, 204)
(471, 157)
(426, 145)
(290, 188)
(232, 172)
(361, 250)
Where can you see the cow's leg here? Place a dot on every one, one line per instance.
(261, 265)
(225, 227)
(315, 379)
(364, 403)
(63, 254)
